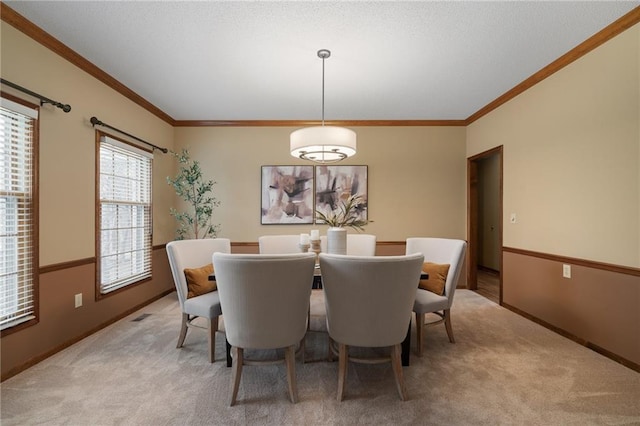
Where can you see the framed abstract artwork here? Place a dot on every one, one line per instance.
(287, 195)
(335, 184)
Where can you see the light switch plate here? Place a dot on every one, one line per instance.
(566, 271)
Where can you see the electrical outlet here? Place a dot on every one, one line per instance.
(78, 300)
(566, 271)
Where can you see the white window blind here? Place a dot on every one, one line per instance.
(17, 213)
(125, 215)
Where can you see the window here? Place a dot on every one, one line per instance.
(18, 210)
(124, 215)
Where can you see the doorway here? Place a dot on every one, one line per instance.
(484, 206)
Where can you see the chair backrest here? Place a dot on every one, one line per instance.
(264, 298)
(369, 299)
(442, 250)
(357, 244)
(192, 254)
(279, 244)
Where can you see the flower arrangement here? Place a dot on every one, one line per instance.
(346, 215)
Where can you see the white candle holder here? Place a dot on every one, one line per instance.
(304, 248)
(315, 247)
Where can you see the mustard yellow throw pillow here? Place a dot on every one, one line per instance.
(198, 280)
(437, 277)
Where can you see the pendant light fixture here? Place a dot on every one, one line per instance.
(323, 144)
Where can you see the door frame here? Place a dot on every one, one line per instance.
(472, 215)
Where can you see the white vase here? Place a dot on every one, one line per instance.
(337, 241)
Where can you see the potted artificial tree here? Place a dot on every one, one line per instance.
(196, 221)
(346, 215)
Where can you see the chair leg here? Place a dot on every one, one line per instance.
(420, 332)
(329, 350)
(396, 364)
(447, 324)
(236, 372)
(183, 330)
(343, 355)
(290, 358)
(213, 327)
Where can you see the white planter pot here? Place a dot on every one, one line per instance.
(337, 241)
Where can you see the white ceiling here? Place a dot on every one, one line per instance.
(231, 60)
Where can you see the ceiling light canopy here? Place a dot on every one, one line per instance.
(323, 144)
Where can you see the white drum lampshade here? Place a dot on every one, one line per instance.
(323, 144)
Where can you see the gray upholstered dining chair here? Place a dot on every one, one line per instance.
(368, 301)
(279, 244)
(357, 245)
(441, 253)
(264, 299)
(283, 244)
(196, 255)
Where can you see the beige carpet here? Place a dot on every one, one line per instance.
(503, 369)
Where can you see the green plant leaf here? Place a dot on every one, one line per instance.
(190, 186)
(346, 214)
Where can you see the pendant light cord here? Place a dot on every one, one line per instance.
(323, 54)
(323, 58)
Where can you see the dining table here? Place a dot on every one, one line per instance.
(317, 284)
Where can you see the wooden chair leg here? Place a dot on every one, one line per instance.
(447, 324)
(290, 359)
(420, 332)
(343, 355)
(329, 349)
(213, 328)
(396, 364)
(236, 373)
(183, 330)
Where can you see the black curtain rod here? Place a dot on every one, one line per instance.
(95, 121)
(43, 99)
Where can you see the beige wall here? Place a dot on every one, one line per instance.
(571, 157)
(417, 178)
(572, 176)
(67, 198)
(67, 148)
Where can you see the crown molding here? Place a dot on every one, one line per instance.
(22, 24)
(36, 33)
(601, 37)
(298, 123)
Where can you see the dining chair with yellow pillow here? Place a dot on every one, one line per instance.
(191, 264)
(443, 259)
